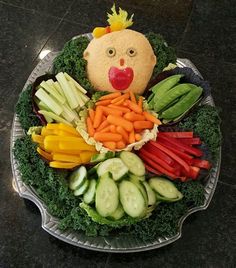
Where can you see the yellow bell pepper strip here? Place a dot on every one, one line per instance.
(37, 138)
(45, 131)
(44, 154)
(86, 156)
(66, 158)
(63, 165)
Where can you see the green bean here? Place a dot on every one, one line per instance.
(183, 105)
(171, 95)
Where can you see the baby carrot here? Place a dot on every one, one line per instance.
(120, 145)
(103, 125)
(132, 97)
(117, 107)
(123, 97)
(97, 117)
(110, 96)
(143, 124)
(107, 111)
(119, 102)
(124, 134)
(134, 117)
(137, 136)
(107, 136)
(131, 137)
(133, 106)
(104, 118)
(119, 121)
(106, 129)
(91, 114)
(140, 102)
(113, 128)
(110, 145)
(103, 102)
(90, 127)
(151, 118)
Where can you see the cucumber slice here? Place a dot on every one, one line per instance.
(150, 193)
(164, 187)
(141, 188)
(132, 199)
(165, 199)
(118, 214)
(77, 178)
(82, 189)
(107, 195)
(93, 170)
(133, 162)
(115, 166)
(141, 178)
(102, 157)
(89, 195)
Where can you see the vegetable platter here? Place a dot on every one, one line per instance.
(112, 187)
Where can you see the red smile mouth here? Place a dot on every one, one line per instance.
(120, 79)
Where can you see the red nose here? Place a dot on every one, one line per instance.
(122, 62)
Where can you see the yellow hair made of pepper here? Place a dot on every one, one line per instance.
(117, 22)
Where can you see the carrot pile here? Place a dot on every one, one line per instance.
(63, 146)
(118, 120)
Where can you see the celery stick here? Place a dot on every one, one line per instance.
(50, 82)
(71, 98)
(75, 91)
(49, 101)
(54, 117)
(53, 92)
(59, 89)
(42, 106)
(69, 78)
(84, 97)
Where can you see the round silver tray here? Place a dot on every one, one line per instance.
(117, 243)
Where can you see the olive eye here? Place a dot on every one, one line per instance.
(131, 52)
(111, 52)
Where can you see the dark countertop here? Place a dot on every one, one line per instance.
(203, 31)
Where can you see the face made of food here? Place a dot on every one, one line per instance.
(120, 61)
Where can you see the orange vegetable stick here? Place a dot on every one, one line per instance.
(106, 129)
(120, 145)
(107, 111)
(132, 97)
(137, 136)
(103, 102)
(120, 108)
(124, 134)
(134, 107)
(152, 118)
(131, 137)
(90, 127)
(143, 124)
(110, 145)
(119, 102)
(125, 103)
(140, 102)
(123, 97)
(134, 117)
(113, 128)
(97, 117)
(44, 154)
(103, 125)
(104, 118)
(107, 136)
(119, 121)
(110, 96)
(91, 114)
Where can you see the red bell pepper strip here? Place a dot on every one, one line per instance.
(181, 146)
(152, 170)
(156, 166)
(201, 163)
(159, 154)
(191, 141)
(171, 154)
(157, 160)
(194, 172)
(178, 135)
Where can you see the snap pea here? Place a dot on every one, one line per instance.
(171, 95)
(183, 105)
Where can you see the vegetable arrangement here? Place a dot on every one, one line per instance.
(118, 120)
(128, 190)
